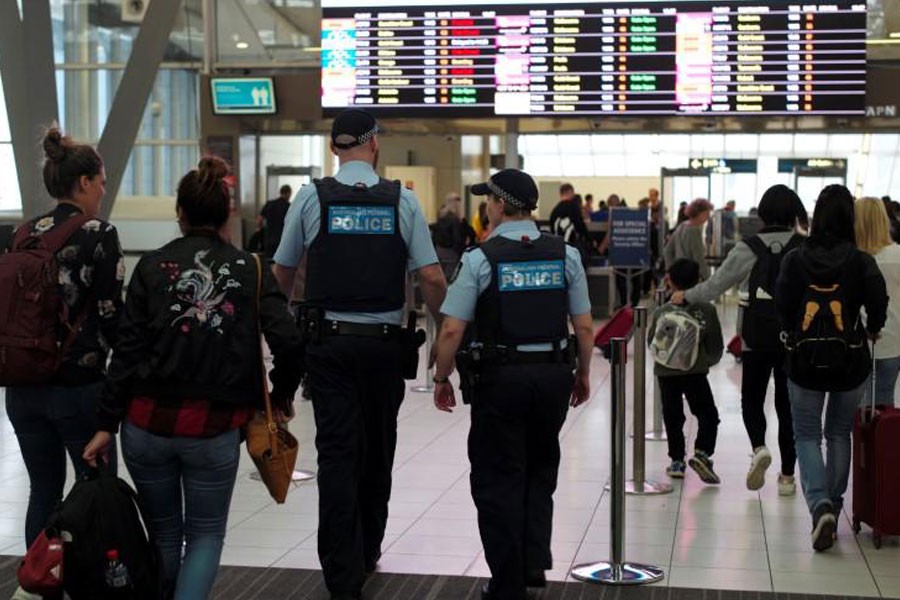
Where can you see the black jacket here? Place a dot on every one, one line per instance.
(190, 330)
(823, 260)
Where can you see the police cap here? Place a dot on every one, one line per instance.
(353, 127)
(510, 185)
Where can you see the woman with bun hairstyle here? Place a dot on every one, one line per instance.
(60, 416)
(185, 376)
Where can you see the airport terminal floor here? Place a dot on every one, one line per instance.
(704, 537)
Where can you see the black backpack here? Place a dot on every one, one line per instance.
(761, 329)
(101, 513)
(827, 351)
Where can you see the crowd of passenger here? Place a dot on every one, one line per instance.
(179, 413)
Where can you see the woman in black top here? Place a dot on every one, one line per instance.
(60, 416)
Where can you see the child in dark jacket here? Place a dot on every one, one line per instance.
(692, 383)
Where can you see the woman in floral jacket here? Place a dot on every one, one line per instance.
(185, 376)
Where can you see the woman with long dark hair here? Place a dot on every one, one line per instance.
(820, 289)
(185, 376)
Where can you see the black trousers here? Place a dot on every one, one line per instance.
(695, 388)
(357, 387)
(757, 366)
(514, 452)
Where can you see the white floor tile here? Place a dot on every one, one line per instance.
(435, 545)
(251, 556)
(889, 586)
(860, 584)
(720, 579)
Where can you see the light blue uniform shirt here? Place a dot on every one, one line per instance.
(301, 226)
(474, 277)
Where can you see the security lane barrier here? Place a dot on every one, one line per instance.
(617, 571)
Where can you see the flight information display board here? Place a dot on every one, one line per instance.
(542, 58)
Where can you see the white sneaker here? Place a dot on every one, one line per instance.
(761, 460)
(21, 594)
(787, 485)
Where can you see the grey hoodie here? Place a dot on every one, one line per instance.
(735, 270)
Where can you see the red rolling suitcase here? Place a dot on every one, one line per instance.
(876, 456)
(619, 325)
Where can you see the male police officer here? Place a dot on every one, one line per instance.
(517, 289)
(361, 234)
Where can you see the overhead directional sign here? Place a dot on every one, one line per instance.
(724, 165)
(243, 96)
(788, 165)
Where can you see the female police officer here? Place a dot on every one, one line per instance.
(517, 291)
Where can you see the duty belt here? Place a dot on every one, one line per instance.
(500, 355)
(375, 330)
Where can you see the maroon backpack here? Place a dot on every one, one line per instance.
(32, 309)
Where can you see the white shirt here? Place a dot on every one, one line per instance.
(888, 260)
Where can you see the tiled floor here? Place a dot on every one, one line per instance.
(721, 537)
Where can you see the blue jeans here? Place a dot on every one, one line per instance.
(49, 422)
(204, 471)
(823, 480)
(886, 370)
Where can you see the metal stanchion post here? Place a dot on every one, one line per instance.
(657, 434)
(428, 388)
(617, 571)
(638, 484)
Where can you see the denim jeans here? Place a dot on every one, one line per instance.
(823, 480)
(204, 471)
(49, 422)
(886, 370)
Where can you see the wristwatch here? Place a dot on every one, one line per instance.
(441, 379)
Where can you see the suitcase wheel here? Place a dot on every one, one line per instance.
(856, 527)
(876, 539)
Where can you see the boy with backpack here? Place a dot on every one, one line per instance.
(754, 264)
(684, 342)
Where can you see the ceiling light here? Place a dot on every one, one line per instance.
(895, 34)
(891, 42)
(242, 45)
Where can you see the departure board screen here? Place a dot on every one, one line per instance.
(545, 58)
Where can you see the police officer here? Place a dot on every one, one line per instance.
(517, 290)
(361, 235)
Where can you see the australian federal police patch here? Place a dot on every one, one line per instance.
(532, 276)
(361, 220)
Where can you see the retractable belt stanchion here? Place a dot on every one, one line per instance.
(428, 388)
(657, 434)
(617, 571)
(638, 484)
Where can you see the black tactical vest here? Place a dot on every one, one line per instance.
(527, 300)
(357, 261)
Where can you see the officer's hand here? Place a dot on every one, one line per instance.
(582, 389)
(432, 358)
(444, 399)
(677, 297)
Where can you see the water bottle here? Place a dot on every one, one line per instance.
(117, 579)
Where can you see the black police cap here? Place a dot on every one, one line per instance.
(353, 127)
(510, 185)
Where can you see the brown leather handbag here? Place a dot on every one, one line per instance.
(272, 447)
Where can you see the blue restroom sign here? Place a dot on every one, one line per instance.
(366, 220)
(532, 276)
